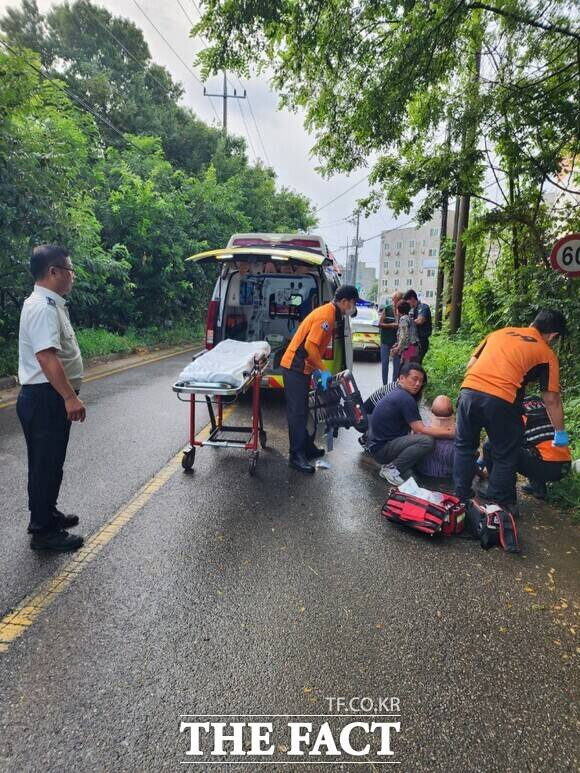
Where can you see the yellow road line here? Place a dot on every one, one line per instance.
(24, 615)
(111, 372)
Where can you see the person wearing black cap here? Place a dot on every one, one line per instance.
(301, 361)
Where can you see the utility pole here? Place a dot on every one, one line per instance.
(356, 244)
(442, 239)
(440, 267)
(470, 139)
(225, 96)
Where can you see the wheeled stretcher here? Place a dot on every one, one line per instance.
(216, 394)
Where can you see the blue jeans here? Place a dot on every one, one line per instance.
(396, 366)
(385, 352)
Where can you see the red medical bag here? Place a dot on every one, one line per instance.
(446, 518)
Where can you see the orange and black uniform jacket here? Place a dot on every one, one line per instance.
(508, 359)
(317, 328)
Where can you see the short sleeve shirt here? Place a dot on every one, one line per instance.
(389, 334)
(317, 328)
(510, 358)
(392, 418)
(45, 324)
(424, 330)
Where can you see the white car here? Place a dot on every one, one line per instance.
(366, 334)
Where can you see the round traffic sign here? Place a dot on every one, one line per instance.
(565, 255)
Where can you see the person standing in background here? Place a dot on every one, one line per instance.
(421, 315)
(388, 326)
(50, 370)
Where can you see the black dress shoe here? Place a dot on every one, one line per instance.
(65, 521)
(300, 462)
(60, 521)
(536, 488)
(60, 541)
(313, 452)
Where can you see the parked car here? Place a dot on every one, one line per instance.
(366, 335)
(267, 284)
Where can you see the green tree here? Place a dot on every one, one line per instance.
(106, 61)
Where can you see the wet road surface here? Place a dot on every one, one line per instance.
(218, 593)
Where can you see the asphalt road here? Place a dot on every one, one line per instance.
(224, 594)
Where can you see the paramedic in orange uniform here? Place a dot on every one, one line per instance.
(491, 397)
(539, 460)
(302, 359)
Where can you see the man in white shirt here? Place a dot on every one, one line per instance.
(50, 371)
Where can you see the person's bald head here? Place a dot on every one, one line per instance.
(442, 406)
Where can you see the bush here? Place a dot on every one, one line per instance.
(445, 364)
(98, 342)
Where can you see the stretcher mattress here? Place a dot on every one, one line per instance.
(228, 362)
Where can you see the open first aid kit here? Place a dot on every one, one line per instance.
(492, 525)
(430, 512)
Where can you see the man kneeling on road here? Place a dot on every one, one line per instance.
(392, 422)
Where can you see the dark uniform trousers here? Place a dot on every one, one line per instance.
(531, 464)
(505, 429)
(296, 389)
(46, 428)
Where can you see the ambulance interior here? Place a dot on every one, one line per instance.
(268, 307)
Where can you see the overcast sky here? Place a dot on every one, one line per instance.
(286, 142)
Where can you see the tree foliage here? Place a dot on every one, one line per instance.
(447, 97)
(130, 209)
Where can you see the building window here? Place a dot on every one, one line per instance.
(396, 282)
(398, 245)
(411, 243)
(386, 264)
(431, 272)
(429, 293)
(433, 252)
(387, 246)
(411, 263)
(385, 283)
(434, 232)
(409, 282)
(397, 264)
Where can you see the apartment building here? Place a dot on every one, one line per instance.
(366, 275)
(409, 258)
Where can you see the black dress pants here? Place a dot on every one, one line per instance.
(532, 465)
(296, 389)
(505, 429)
(46, 428)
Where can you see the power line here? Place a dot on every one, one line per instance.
(247, 132)
(168, 44)
(74, 97)
(340, 195)
(197, 8)
(142, 65)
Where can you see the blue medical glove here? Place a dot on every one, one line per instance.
(322, 377)
(561, 438)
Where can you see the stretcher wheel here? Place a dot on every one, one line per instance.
(253, 463)
(263, 438)
(188, 459)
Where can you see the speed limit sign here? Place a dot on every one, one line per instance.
(565, 255)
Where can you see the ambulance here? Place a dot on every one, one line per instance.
(267, 283)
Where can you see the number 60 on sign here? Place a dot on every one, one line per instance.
(565, 255)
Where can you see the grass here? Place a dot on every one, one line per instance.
(98, 342)
(445, 364)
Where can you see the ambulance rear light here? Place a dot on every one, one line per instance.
(212, 315)
(329, 351)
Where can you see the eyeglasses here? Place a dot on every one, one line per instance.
(66, 268)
